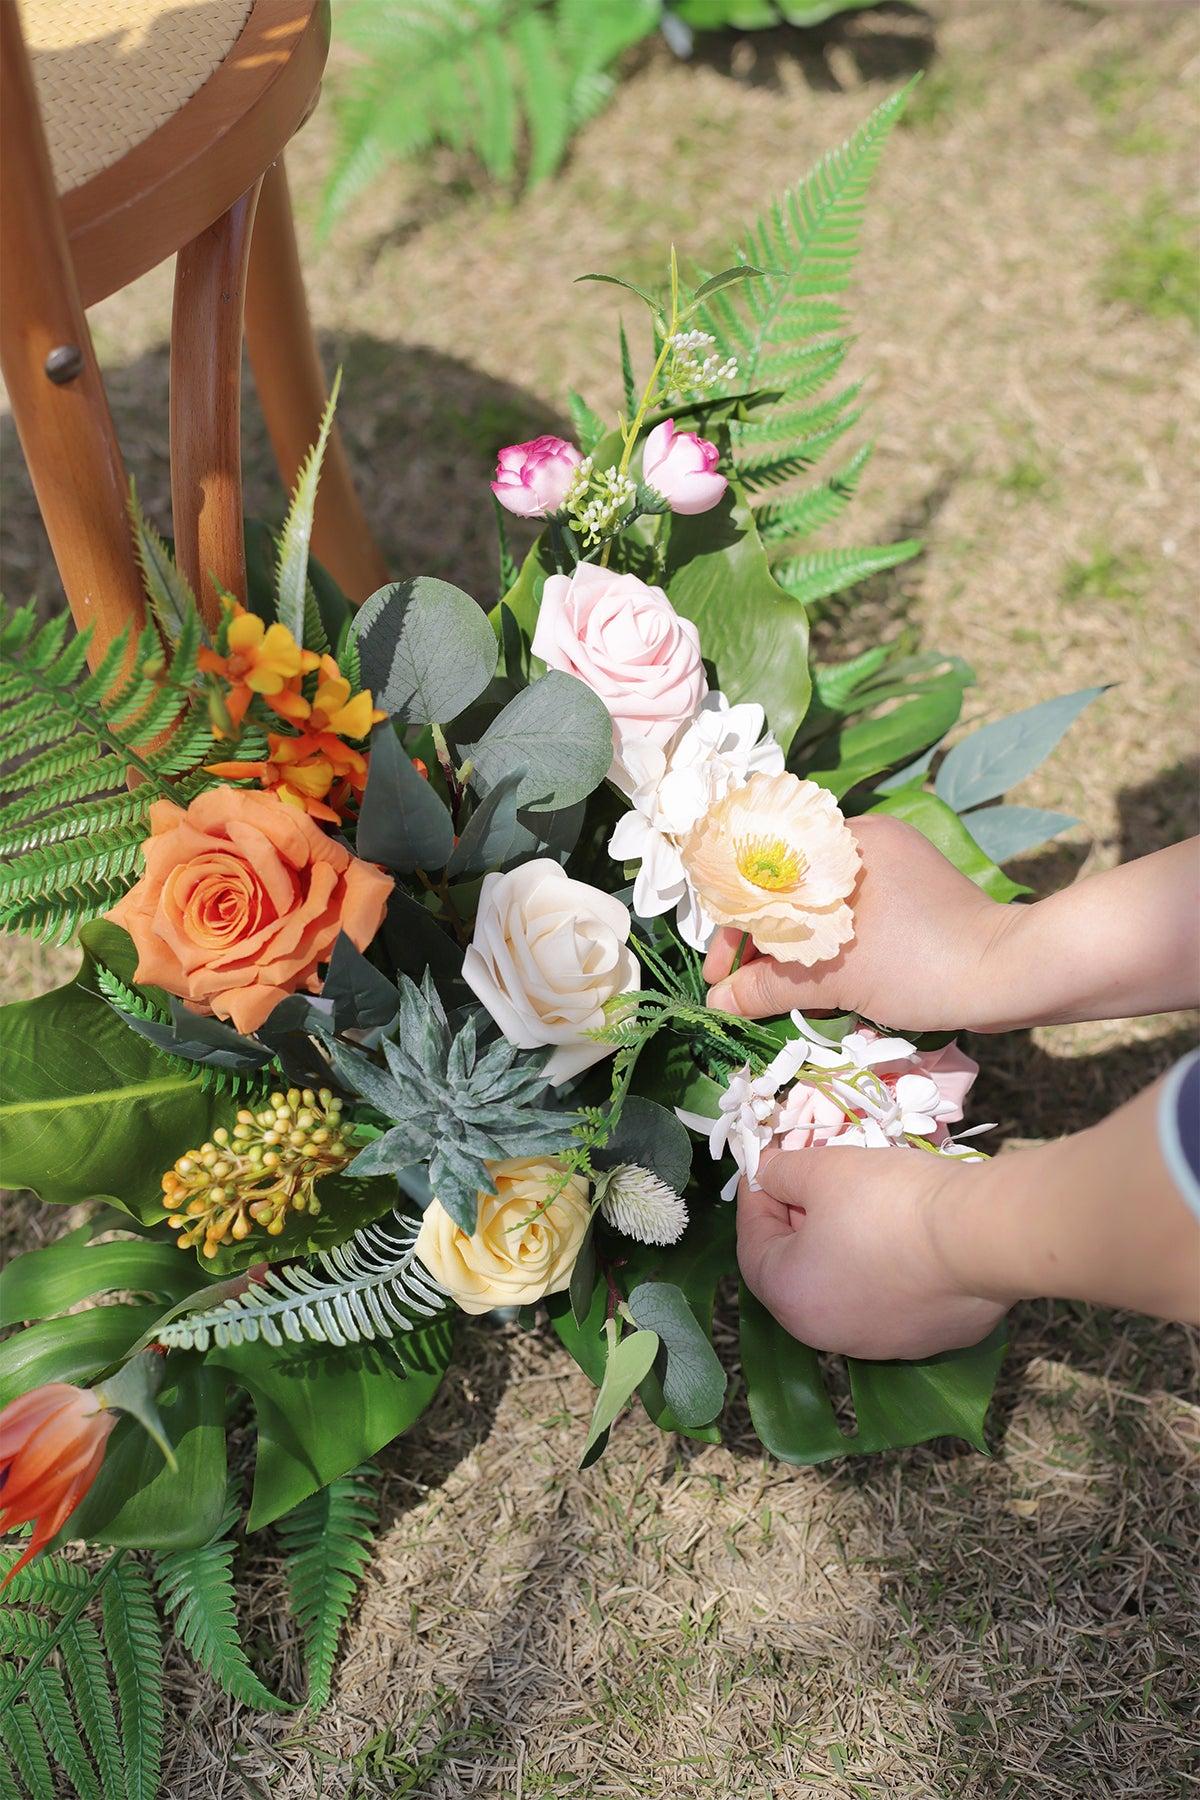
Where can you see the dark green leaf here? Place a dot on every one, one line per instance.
(90, 1108)
(44, 1282)
(402, 823)
(755, 635)
(488, 835)
(650, 1135)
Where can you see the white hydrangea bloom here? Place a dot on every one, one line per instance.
(669, 790)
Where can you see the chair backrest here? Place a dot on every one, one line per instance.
(51, 372)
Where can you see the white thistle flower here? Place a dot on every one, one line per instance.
(636, 1203)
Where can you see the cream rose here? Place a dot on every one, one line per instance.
(547, 953)
(521, 1249)
(627, 642)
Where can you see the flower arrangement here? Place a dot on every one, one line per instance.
(391, 1006)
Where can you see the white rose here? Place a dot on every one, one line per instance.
(546, 954)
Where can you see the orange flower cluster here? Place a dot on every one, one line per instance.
(316, 771)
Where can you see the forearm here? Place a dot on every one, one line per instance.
(1092, 1217)
(1117, 945)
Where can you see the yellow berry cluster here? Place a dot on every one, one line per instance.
(266, 1167)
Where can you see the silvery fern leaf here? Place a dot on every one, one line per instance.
(372, 1286)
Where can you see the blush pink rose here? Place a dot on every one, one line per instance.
(809, 1118)
(627, 642)
(683, 468)
(532, 479)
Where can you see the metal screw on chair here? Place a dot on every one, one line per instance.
(64, 363)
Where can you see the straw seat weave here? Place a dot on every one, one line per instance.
(110, 72)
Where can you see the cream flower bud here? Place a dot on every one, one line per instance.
(521, 1249)
(546, 955)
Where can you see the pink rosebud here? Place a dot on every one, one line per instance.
(683, 468)
(532, 479)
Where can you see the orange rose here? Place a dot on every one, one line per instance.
(241, 899)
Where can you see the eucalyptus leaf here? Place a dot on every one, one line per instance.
(629, 1361)
(402, 822)
(427, 650)
(1007, 831)
(556, 729)
(998, 756)
(693, 1381)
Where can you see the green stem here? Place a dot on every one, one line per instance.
(649, 392)
(739, 953)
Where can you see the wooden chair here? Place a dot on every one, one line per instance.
(131, 130)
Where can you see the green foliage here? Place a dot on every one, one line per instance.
(786, 332)
(1154, 263)
(295, 603)
(1113, 577)
(895, 1403)
(425, 649)
(70, 830)
(197, 1593)
(507, 81)
(451, 1106)
(368, 1287)
(89, 1104)
(88, 1700)
(328, 1542)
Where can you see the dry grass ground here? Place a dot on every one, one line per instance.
(685, 1621)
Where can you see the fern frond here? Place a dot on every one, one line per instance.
(133, 1640)
(369, 1287)
(196, 1587)
(87, 1674)
(802, 513)
(167, 588)
(55, 1692)
(23, 1741)
(507, 81)
(327, 1540)
(52, 1709)
(70, 828)
(828, 572)
(131, 1004)
(291, 575)
(783, 328)
(589, 426)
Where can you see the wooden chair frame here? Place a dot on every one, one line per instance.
(208, 185)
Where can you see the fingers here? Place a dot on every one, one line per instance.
(764, 987)
(723, 950)
(761, 1224)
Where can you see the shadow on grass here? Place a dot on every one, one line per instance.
(422, 430)
(884, 44)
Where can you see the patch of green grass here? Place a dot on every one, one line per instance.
(1116, 577)
(1153, 263)
(1117, 89)
(1027, 477)
(941, 94)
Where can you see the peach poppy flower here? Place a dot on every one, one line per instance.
(242, 899)
(775, 858)
(259, 659)
(52, 1443)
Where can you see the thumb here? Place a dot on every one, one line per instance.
(763, 988)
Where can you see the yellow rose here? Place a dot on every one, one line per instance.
(521, 1248)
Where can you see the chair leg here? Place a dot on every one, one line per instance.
(206, 406)
(53, 380)
(291, 387)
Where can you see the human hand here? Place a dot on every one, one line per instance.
(923, 956)
(842, 1247)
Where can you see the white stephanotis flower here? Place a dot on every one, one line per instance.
(747, 1120)
(670, 789)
